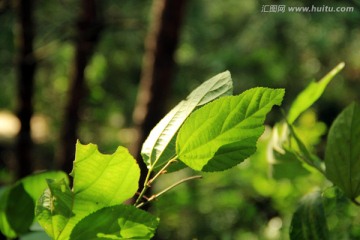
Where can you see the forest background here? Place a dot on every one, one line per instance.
(107, 71)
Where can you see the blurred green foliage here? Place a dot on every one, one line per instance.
(260, 49)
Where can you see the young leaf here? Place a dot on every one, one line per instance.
(159, 147)
(224, 133)
(309, 221)
(311, 94)
(342, 154)
(17, 218)
(99, 181)
(105, 223)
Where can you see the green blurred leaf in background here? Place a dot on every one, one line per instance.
(342, 155)
(309, 221)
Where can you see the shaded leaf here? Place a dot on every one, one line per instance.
(20, 209)
(304, 154)
(35, 236)
(311, 94)
(342, 154)
(4, 223)
(287, 165)
(224, 133)
(309, 221)
(116, 222)
(100, 180)
(284, 162)
(18, 202)
(159, 147)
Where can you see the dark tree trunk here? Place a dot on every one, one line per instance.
(157, 72)
(89, 26)
(26, 65)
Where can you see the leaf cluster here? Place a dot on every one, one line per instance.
(208, 131)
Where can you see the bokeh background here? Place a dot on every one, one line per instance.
(106, 71)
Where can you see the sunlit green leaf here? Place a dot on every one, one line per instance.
(224, 133)
(309, 221)
(342, 155)
(311, 94)
(99, 181)
(159, 147)
(116, 222)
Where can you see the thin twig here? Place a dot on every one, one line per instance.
(148, 181)
(167, 189)
(162, 171)
(141, 194)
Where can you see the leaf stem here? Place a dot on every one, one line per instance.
(148, 180)
(145, 187)
(162, 171)
(168, 189)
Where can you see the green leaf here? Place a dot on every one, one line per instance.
(311, 94)
(35, 184)
(309, 221)
(20, 209)
(287, 165)
(105, 223)
(224, 133)
(284, 162)
(5, 227)
(159, 147)
(342, 154)
(35, 236)
(55, 204)
(18, 202)
(99, 181)
(304, 153)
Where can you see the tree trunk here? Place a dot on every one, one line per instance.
(157, 72)
(26, 64)
(89, 26)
